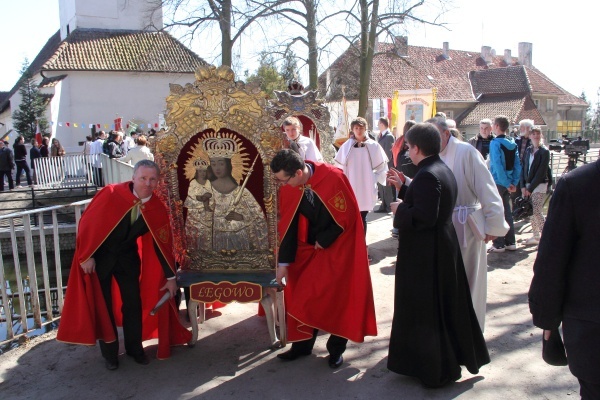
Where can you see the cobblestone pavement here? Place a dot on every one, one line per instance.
(232, 359)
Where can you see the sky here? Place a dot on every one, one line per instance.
(564, 48)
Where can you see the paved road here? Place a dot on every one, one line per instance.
(232, 361)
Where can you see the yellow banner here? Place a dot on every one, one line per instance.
(416, 105)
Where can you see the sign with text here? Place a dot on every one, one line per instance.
(226, 292)
(416, 105)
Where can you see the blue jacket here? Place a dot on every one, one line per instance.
(505, 165)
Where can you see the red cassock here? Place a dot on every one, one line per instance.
(328, 289)
(85, 317)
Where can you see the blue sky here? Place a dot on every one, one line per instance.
(562, 35)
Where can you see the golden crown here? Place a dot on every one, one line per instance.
(200, 164)
(220, 147)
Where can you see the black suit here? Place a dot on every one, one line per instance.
(118, 257)
(537, 173)
(566, 282)
(387, 192)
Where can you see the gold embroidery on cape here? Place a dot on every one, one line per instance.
(163, 234)
(338, 201)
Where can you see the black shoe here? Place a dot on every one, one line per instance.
(140, 358)
(111, 365)
(335, 362)
(381, 210)
(291, 355)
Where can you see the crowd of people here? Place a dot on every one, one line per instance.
(449, 199)
(13, 162)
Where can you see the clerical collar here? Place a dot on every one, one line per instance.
(360, 144)
(145, 199)
(310, 170)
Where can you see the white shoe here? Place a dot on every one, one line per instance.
(496, 249)
(511, 247)
(532, 241)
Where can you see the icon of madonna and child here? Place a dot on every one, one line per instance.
(223, 216)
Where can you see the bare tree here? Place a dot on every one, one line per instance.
(233, 18)
(373, 23)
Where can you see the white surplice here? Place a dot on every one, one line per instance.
(308, 149)
(477, 194)
(365, 167)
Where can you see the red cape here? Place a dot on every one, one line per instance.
(85, 316)
(329, 289)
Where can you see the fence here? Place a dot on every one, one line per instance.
(38, 300)
(560, 161)
(78, 170)
(71, 170)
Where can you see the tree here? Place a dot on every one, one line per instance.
(266, 76)
(303, 17)
(32, 107)
(587, 118)
(289, 69)
(373, 22)
(232, 19)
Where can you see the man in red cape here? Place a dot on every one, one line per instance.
(323, 258)
(123, 264)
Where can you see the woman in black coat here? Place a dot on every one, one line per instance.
(534, 181)
(21, 160)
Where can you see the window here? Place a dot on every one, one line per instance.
(449, 114)
(568, 127)
(537, 103)
(549, 105)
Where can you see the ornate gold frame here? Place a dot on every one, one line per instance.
(215, 101)
(308, 105)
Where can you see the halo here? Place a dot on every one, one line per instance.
(240, 161)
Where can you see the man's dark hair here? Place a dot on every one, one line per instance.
(426, 137)
(502, 122)
(288, 161)
(385, 121)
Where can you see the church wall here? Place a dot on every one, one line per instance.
(100, 97)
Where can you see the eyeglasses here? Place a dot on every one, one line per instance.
(282, 181)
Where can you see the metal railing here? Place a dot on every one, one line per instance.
(560, 161)
(36, 300)
(71, 170)
(115, 171)
(79, 170)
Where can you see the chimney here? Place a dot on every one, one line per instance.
(486, 54)
(525, 50)
(401, 45)
(446, 49)
(507, 57)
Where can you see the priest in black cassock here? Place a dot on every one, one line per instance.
(435, 329)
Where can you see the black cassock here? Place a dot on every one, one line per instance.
(435, 329)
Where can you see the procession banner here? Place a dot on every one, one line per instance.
(416, 105)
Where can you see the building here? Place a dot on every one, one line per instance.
(470, 85)
(108, 60)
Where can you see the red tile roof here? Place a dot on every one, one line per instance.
(111, 50)
(500, 80)
(114, 50)
(516, 106)
(426, 67)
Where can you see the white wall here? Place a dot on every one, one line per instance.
(99, 97)
(108, 14)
